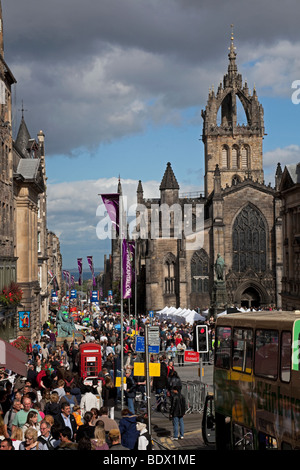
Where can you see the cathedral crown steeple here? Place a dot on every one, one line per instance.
(234, 145)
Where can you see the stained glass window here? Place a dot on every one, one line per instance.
(249, 241)
(199, 271)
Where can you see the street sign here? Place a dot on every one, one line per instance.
(191, 356)
(151, 314)
(140, 344)
(154, 339)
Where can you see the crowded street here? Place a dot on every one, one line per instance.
(64, 403)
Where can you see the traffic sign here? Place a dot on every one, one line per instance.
(153, 339)
(191, 356)
(140, 344)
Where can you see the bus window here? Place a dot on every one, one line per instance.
(242, 350)
(242, 438)
(266, 442)
(266, 353)
(223, 345)
(286, 356)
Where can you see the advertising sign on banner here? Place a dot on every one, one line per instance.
(24, 319)
(191, 356)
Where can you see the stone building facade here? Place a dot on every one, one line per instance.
(29, 185)
(241, 215)
(54, 265)
(289, 187)
(23, 216)
(8, 261)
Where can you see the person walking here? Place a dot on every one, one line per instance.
(127, 426)
(109, 395)
(46, 440)
(130, 391)
(181, 347)
(177, 412)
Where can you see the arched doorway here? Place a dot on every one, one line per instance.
(250, 298)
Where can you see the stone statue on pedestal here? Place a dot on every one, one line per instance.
(219, 267)
(65, 325)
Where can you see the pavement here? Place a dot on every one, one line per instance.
(162, 427)
(162, 432)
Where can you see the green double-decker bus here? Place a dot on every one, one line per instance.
(256, 399)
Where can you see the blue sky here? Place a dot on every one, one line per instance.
(118, 86)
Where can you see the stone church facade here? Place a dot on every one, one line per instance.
(242, 215)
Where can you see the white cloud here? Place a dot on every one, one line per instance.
(285, 155)
(72, 212)
(273, 69)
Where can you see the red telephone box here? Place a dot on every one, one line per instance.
(90, 360)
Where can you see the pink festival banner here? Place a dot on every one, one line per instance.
(127, 270)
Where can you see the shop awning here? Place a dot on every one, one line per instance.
(13, 359)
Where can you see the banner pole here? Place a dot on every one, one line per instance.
(121, 292)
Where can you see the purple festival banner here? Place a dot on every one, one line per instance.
(112, 205)
(127, 270)
(90, 261)
(79, 262)
(66, 275)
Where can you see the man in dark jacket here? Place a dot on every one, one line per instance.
(130, 391)
(177, 411)
(160, 383)
(66, 419)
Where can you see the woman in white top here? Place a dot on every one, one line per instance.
(32, 422)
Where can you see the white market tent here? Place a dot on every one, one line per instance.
(179, 315)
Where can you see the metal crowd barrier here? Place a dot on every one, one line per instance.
(194, 393)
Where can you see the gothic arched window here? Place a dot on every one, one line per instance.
(245, 154)
(199, 271)
(169, 274)
(249, 241)
(235, 157)
(225, 156)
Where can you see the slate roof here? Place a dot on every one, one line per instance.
(294, 171)
(23, 138)
(28, 168)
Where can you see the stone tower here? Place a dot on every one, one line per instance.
(236, 148)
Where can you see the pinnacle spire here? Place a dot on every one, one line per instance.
(232, 67)
(169, 180)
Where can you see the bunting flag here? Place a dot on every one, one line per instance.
(127, 270)
(55, 284)
(72, 281)
(112, 205)
(66, 275)
(51, 274)
(91, 265)
(79, 262)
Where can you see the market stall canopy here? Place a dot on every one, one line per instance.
(179, 315)
(13, 359)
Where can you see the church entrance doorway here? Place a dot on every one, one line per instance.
(250, 298)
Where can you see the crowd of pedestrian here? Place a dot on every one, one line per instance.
(53, 409)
